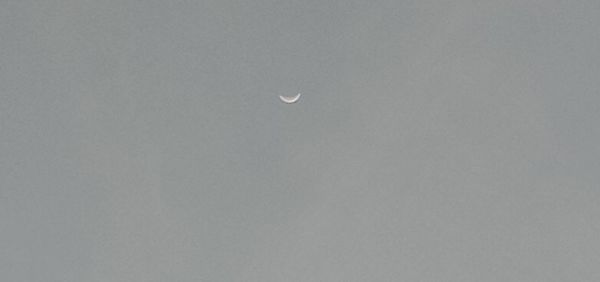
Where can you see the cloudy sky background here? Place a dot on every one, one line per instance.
(434, 141)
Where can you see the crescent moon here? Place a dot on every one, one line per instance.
(290, 99)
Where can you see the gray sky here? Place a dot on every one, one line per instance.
(434, 141)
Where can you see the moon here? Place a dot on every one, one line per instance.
(290, 99)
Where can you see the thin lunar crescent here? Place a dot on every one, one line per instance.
(290, 100)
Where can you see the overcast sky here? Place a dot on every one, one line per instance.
(434, 140)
